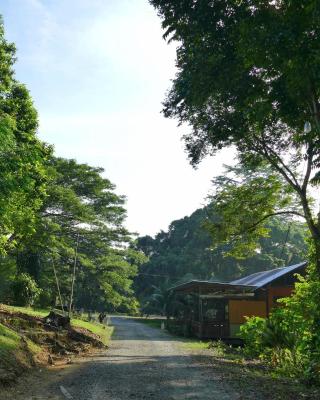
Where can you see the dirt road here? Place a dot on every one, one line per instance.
(141, 363)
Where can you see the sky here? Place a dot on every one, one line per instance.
(98, 71)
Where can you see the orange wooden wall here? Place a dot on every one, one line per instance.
(277, 292)
(239, 309)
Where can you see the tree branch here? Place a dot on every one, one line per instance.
(288, 212)
(284, 170)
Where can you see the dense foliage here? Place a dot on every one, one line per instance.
(22, 155)
(24, 290)
(186, 252)
(242, 203)
(80, 224)
(248, 77)
(289, 339)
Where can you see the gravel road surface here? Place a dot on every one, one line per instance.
(141, 363)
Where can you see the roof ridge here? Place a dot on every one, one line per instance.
(271, 274)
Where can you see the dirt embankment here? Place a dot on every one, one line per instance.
(28, 341)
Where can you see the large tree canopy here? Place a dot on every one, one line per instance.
(81, 211)
(243, 66)
(248, 76)
(22, 155)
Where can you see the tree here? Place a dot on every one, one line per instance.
(22, 155)
(25, 290)
(81, 208)
(248, 77)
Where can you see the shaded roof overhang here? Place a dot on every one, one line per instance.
(202, 287)
(247, 284)
(263, 278)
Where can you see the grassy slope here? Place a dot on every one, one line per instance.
(9, 341)
(16, 353)
(103, 331)
(27, 310)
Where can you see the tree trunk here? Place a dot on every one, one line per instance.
(313, 228)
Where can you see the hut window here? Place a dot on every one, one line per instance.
(214, 310)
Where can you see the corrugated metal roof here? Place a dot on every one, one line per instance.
(208, 286)
(260, 279)
(251, 282)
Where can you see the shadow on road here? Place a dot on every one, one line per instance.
(123, 377)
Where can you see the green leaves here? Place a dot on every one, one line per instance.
(25, 290)
(81, 206)
(248, 76)
(240, 64)
(243, 201)
(22, 156)
(289, 340)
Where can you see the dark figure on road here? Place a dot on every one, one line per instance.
(101, 317)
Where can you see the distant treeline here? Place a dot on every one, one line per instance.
(186, 252)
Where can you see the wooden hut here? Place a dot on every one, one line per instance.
(220, 308)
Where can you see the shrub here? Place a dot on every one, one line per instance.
(219, 348)
(25, 290)
(45, 299)
(252, 334)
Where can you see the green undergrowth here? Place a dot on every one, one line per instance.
(9, 340)
(194, 344)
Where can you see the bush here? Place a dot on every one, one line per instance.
(219, 348)
(24, 290)
(45, 299)
(252, 334)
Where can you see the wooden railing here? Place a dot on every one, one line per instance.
(210, 329)
(205, 330)
(215, 330)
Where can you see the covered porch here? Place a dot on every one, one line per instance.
(209, 317)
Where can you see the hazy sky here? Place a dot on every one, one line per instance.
(98, 71)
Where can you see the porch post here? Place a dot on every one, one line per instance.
(200, 315)
(267, 302)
